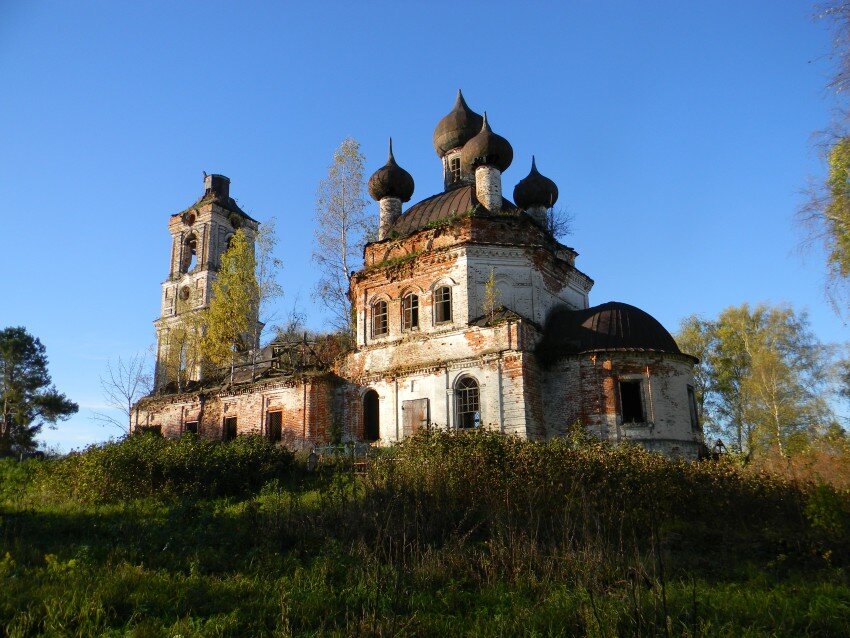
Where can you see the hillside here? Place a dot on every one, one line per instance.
(474, 534)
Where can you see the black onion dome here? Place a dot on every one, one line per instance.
(535, 190)
(609, 326)
(391, 180)
(487, 149)
(456, 128)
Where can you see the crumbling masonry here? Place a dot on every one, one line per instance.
(426, 354)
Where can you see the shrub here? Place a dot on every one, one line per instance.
(151, 466)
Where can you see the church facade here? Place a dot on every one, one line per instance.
(469, 313)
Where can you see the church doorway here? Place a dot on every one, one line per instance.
(371, 416)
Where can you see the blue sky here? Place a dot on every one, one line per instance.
(679, 135)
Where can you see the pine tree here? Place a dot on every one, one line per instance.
(28, 398)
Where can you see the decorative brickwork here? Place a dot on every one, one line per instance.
(436, 358)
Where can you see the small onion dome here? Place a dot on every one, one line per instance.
(391, 180)
(535, 190)
(487, 149)
(456, 128)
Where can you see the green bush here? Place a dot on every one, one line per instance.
(151, 466)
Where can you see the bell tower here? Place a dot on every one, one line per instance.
(199, 236)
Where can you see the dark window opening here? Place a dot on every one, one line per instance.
(692, 405)
(151, 429)
(229, 428)
(454, 169)
(379, 318)
(274, 426)
(410, 312)
(443, 305)
(468, 406)
(631, 402)
(190, 427)
(190, 249)
(371, 417)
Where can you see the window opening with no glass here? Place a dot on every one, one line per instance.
(229, 428)
(274, 426)
(631, 402)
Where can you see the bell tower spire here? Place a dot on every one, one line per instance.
(199, 237)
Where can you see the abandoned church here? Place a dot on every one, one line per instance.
(469, 314)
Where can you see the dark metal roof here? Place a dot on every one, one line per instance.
(535, 190)
(440, 208)
(456, 128)
(391, 180)
(609, 326)
(487, 149)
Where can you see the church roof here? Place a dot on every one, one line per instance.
(457, 128)
(609, 326)
(442, 208)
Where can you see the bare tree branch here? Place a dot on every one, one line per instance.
(123, 385)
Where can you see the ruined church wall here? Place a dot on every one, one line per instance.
(501, 396)
(307, 411)
(584, 388)
(524, 284)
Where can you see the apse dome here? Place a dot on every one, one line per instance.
(609, 326)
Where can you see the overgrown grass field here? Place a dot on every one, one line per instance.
(445, 535)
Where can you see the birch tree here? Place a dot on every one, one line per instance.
(267, 268)
(826, 212)
(342, 225)
(763, 377)
(233, 308)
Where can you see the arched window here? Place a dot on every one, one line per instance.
(410, 311)
(443, 304)
(379, 318)
(371, 417)
(190, 249)
(467, 403)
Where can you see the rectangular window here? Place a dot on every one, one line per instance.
(631, 402)
(274, 426)
(692, 405)
(379, 319)
(410, 312)
(151, 429)
(454, 169)
(443, 305)
(191, 427)
(229, 428)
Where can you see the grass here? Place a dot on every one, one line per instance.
(555, 539)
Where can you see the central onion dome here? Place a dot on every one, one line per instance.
(535, 190)
(456, 128)
(391, 180)
(487, 149)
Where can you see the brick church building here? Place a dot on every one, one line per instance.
(469, 314)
